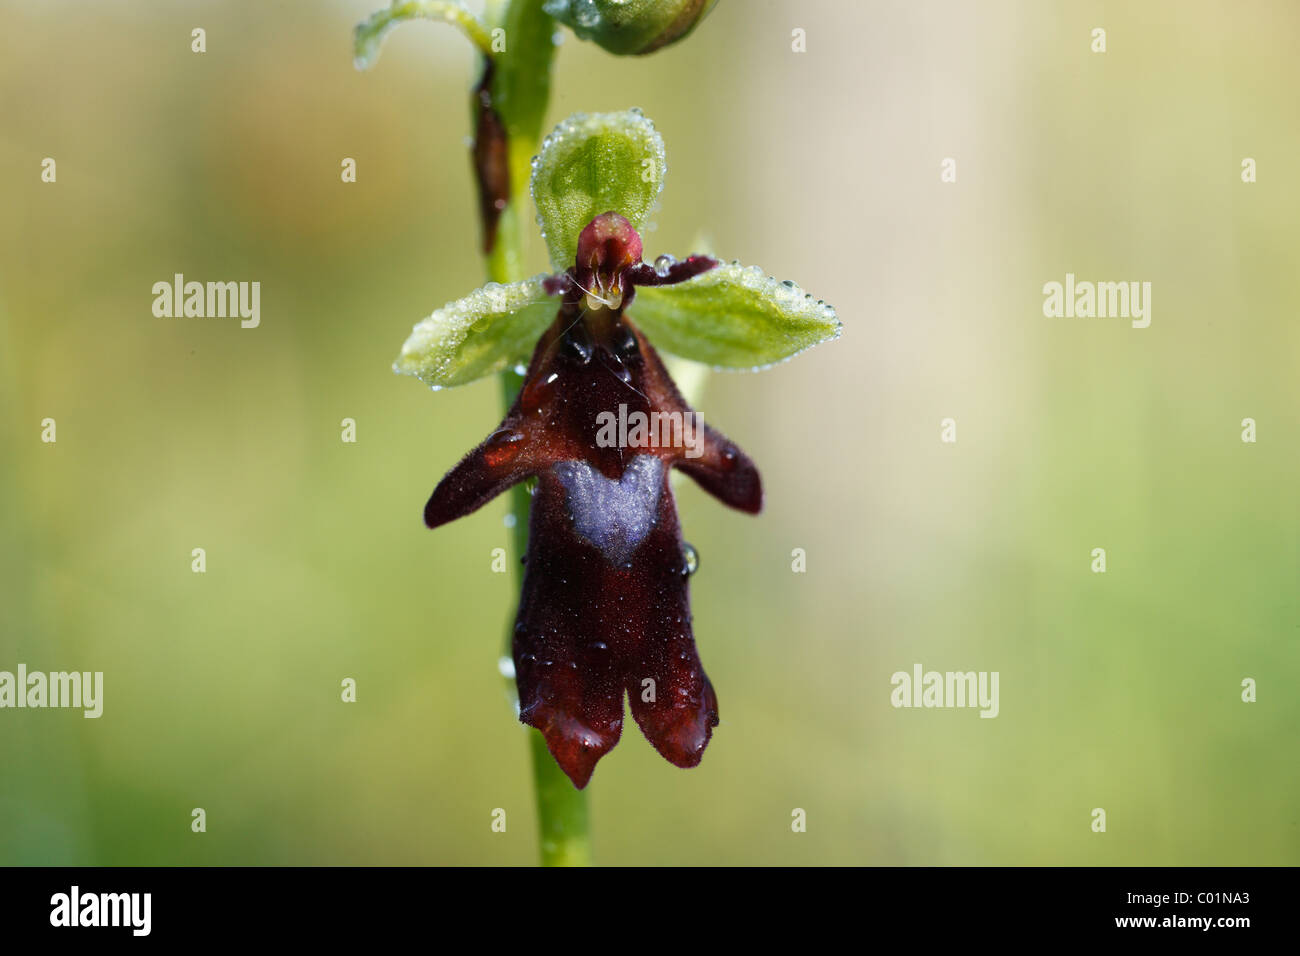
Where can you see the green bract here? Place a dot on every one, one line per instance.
(489, 330)
(729, 316)
(590, 164)
(733, 316)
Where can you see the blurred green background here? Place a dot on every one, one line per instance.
(1118, 690)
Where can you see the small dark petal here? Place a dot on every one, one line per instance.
(559, 284)
(491, 159)
(688, 268)
(641, 274)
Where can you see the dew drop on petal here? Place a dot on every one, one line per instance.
(691, 557)
(502, 446)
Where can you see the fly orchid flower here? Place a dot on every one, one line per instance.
(605, 606)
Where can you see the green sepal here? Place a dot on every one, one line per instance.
(592, 164)
(733, 317)
(488, 331)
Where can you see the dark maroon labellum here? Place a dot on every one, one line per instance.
(605, 608)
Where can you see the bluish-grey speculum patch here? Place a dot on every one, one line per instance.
(614, 516)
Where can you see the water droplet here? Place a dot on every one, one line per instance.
(663, 264)
(502, 446)
(691, 557)
(586, 13)
(507, 668)
(521, 370)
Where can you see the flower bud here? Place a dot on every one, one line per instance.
(630, 26)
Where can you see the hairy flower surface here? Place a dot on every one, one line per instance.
(605, 608)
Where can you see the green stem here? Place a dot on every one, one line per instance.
(520, 90)
(563, 823)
